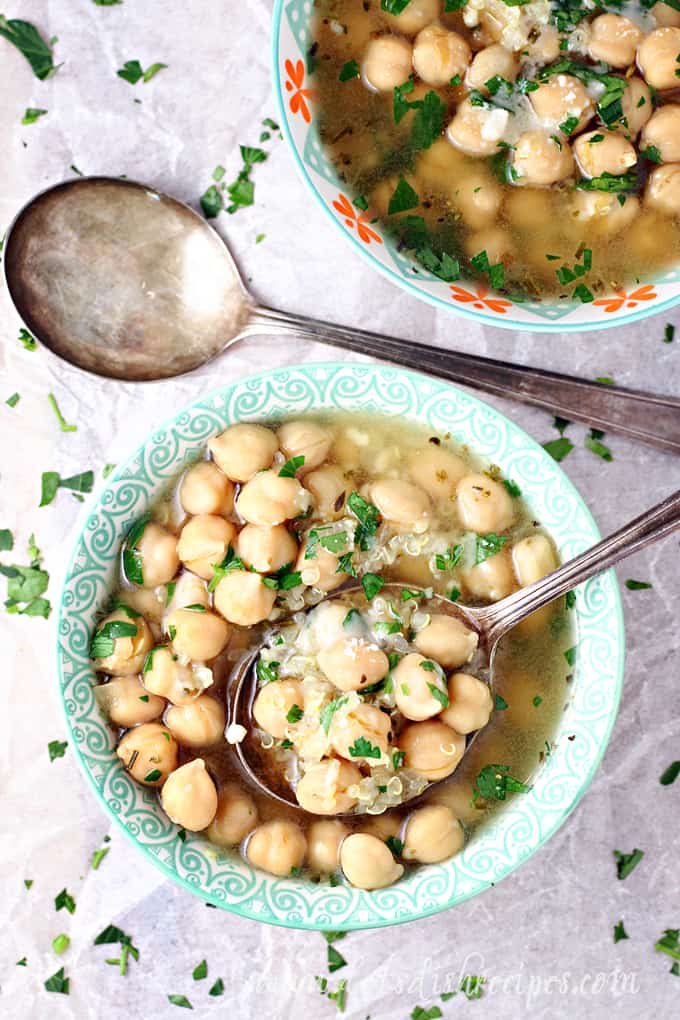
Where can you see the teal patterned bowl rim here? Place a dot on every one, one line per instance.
(469, 298)
(524, 824)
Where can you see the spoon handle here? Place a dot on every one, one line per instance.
(656, 523)
(643, 416)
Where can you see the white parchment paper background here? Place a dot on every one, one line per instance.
(552, 918)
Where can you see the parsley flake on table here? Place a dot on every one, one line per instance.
(558, 448)
(30, 43)
(620, 932)
(669, 775)
(6, 540)
(28, 882)
(60, 943)
(669, 333)
(23, 962)
(336, 961)
(200, 971)
(32, 114)
(107, 3)
(51, 481)
(339, 996)
(625, 863)
(472, 986)
(13, 400)
(593, 443)
(63, 424)
(64, 901)
(110, 935)
(28, 342)
(669, 943)
(132, 71)
(57, 749)
(421, 1013)
(494, 782)
(25, 588)
(633, 585)
(180, 1000)
(99, 855)
(58, 983)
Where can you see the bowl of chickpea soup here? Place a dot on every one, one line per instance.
(301, 522)
(518, 163)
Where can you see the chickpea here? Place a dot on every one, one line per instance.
(199, 724)
(320, 570)
(353, 663)
(604, 213)
(492, 579)
(265, 549)
(656, 58)
(662, 130)
(328, 487)
(386, 63)
(541, 159)
(437, 471)
(269, 499)
(364, 721)
(525, 207)
(150, 603)
(477, 197)
(495, 241)
(121, 699)
(189, 796)
(439, 166)
(305, 439)
(323, 789)
(273, 703)
(277, 847)
(242, 450)
(236, 816)
(414, 679)
(383, 826)
(614, 39)
(636, 107)
(663, 189)
(416, 15)
(470, 703)
(431, 748)
(367, 863)
(203, 543)
(190, 590)
(327, 623)
(653, 235)
(402, 504)
(433, 834)
(345, 450)
(559, 98)
(242, 598)
(484, 505)
(665, 16)
(168, 678)
(146, 750)
(477, 130)
(447, 640)
(489, 62)
(600, 152)
(198, 636)
(438, 55)
(128, 652)
(324, 838)
(157, 550)
(545, 47)
(533, 558)
(205, 490)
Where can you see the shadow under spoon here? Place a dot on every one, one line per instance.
(129, 283)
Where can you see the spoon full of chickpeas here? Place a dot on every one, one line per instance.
(454, 634)
(129, 283)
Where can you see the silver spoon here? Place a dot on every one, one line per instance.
(490, 622)
(129, 283)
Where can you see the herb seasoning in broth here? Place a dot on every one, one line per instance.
(535, 146)
(363, 701)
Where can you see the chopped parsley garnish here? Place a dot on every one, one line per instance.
(23, 962)
(230, 562)
(395, 845)
(500, 704)
(472, 986)
(368, 517)
(450, 559)
(132, 560)
(103, 642)
(28, 882)
(217, 988)
(398, 759)
(334, 936)
(63, 424)
(211, 202)
(60, 943)
(200, 971)
(180, 1000)
(57, 749)
(592, 443)
(652, 154)
(339, 996)
(153, 776)
(6, 540)
(669, 943)
(38, 53)
(28, 342)
(410, 593)
(394, 6)
(267, 672)
(454, 595)
(669, 775)
(99, 855)
(537, 700)
(570, 599)
(569, 125)
(610, 182)
(64, 901)
(558, 448)
(294, 714)
(632, 585)
(438, 694)
(291, 466)
(336, 961)
(148, 661)
(363, 748)
(26, 585)
(371, 583)
(345, 565)
(620, 932)
(13, 400)
(352, 614)
(570, 655)
(625, 863)
(421, 1013)
(488, 545)
(110, 935)
(328, 711)
(494, 782)
(334, 543)
(51, 481)
(195, 607)
(668, 335)
(512, 488)
(349, 70)
(58, 983)
(132, 71)
(32, 114)
(428, 121)
(403, 198)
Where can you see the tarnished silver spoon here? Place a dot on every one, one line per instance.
(490, 622)
(129, 283)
